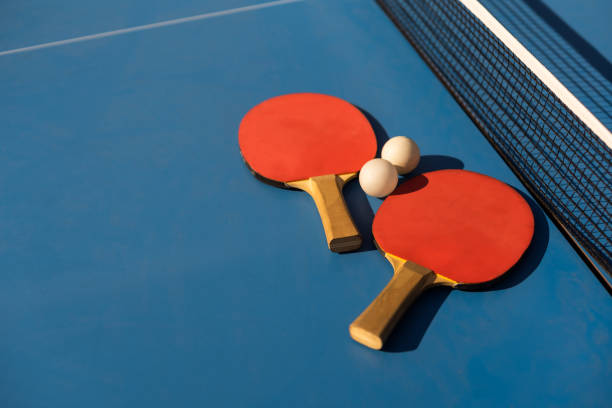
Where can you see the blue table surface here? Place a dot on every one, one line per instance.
(143, 265)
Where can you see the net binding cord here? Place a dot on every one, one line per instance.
(556, 147)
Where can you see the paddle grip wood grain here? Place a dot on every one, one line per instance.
(377, 321)
(326, 191)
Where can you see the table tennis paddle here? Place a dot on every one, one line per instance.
(315, 143)
(449, 227)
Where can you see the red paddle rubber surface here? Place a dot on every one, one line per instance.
(298, 136)
(465, 226)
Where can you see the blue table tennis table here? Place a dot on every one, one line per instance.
(142, 265)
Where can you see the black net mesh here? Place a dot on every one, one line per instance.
(575, 62)
(558, 158)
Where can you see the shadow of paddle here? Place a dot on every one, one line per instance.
(379, 130)
(412, 327)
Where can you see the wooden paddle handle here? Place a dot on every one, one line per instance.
(375, 323)
(326, 191)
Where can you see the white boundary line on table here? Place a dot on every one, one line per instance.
(540, 70)
(149, 26)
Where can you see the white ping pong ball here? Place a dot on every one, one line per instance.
(402, 152)
(378, 178)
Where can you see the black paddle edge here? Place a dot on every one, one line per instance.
(266, 180)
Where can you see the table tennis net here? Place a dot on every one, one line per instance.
(556, 156)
